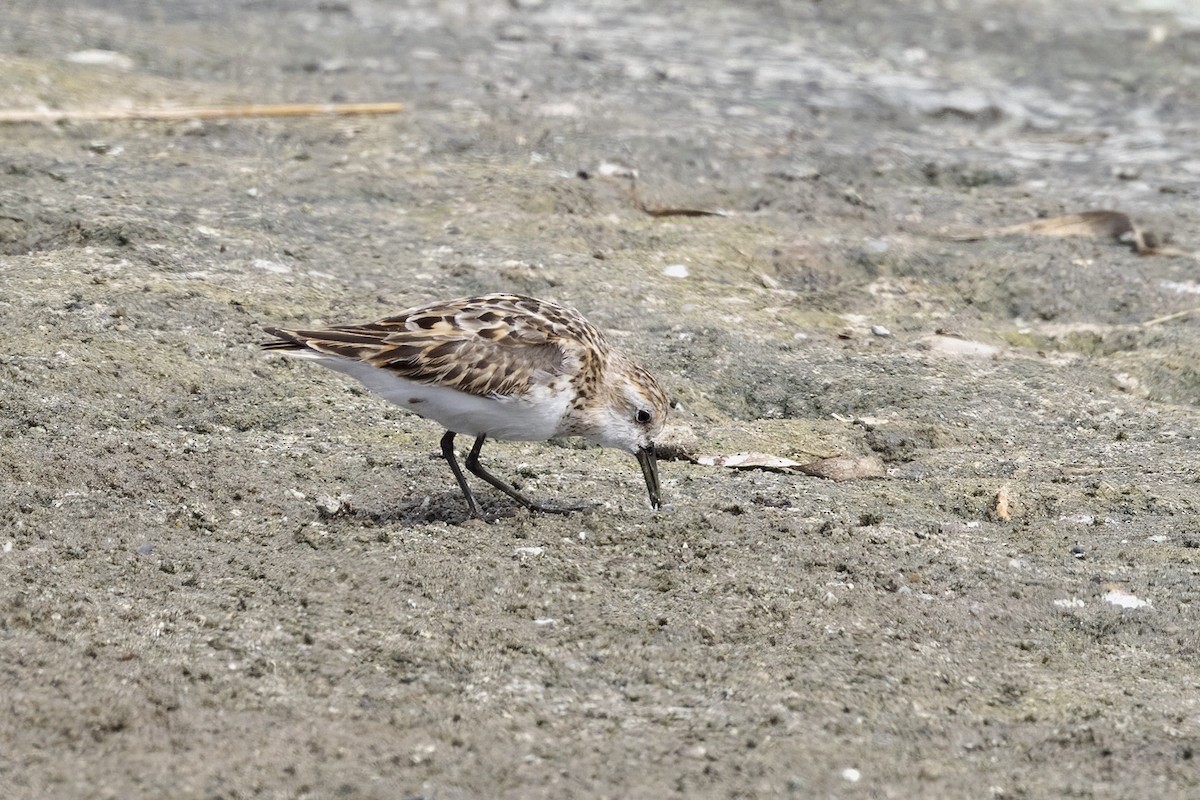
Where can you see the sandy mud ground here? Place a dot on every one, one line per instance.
(227, 575)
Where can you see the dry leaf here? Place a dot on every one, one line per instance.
(1002, 508)
(1110, 224)
(676, 212)
(1090, 223)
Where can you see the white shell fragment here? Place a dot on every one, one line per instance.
(1122, 598)
(675, 271)
(101, 58)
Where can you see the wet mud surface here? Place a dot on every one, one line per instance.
(228, 575)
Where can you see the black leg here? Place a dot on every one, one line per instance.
(478, 469)
(448, 454)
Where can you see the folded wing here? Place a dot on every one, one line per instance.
(478, 350)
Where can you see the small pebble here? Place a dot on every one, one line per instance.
(271, 266)
(880, 331)
(609, 169)
(1079, 551)
(675, 271)
(104, 148)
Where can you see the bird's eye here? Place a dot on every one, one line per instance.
(643, 416)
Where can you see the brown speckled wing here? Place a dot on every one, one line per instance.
(488, 346)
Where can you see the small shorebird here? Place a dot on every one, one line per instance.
(498, 365)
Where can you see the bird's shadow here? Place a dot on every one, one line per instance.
(445, 507)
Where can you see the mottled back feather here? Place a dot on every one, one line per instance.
(493, 346)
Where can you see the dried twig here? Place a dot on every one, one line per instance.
(201, 112)
(1170, 317)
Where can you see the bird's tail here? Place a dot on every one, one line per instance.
(285, 340)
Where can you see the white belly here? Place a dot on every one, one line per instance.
(533, 418)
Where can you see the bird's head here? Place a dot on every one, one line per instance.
(631, 414)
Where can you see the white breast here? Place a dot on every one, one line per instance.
(532, 417)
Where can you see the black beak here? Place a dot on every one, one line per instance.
(649, 464)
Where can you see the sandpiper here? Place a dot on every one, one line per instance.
(503, 366)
